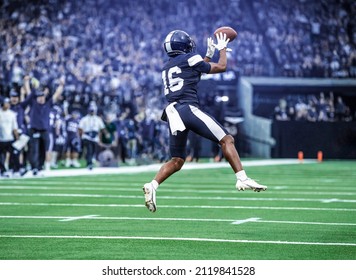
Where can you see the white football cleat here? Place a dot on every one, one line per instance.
(150, 197)
(249, 184)
(67, 164)
(75, 164)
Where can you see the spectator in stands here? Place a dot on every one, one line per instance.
(8, 134)
(73, 141)
(122, 139)
(322, 108)
(342, 112)
(312, 112)
(147, 134)
(90, 128)
(281, 111)
(18, 108)
(352, 63)
(40, 102)
(59, 136)
(109, 138)
(301, 110)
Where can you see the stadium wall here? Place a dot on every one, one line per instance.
(267, 138)
(255, 130)
(334, 140)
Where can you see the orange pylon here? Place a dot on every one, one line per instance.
(300, 156)
(320, 156)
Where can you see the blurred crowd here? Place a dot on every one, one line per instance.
(114, 48)
(109, 52)
(312, 108)
(310, 38)
(39, 130)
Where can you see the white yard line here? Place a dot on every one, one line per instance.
(175, 206)
(70, 219)
(239, 222)
(162, 190)
(232, 221)
(179, 239)
(328, 200)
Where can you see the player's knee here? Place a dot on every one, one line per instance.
(178, 163)
(227, 140)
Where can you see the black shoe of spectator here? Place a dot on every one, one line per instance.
(23, 171)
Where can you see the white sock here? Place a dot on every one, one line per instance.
(47, 165)
(54, 158)
(155, 184)
(241, 175)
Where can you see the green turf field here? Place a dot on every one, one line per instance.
(308, 212)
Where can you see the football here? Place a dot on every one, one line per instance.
(229, 31)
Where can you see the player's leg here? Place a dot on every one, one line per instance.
(68, 149)
(34, 146)
(48, 142)
(232, 156)
(89, 153)
(3, 151)
(230, 153)
(166, 170)
(208, 127)
(74, 152)
(177, 149)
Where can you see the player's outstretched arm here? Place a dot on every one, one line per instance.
(221, 45)
(210, 49)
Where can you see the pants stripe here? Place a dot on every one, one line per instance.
(214, 127)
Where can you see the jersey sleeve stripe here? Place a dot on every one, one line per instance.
(194, 60)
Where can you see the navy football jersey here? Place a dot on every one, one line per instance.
(181, 75)
(72, 125)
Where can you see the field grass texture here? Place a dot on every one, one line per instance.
(307, 213)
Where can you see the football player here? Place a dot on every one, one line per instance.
(180, 76)
(73, 142)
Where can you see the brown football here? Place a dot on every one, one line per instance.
(229, 31)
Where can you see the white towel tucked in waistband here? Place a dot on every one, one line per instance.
(175, 121)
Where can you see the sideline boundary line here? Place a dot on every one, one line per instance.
(155, 167)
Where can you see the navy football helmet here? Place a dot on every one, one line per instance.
(178, 42)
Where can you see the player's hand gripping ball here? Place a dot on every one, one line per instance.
(229, 31)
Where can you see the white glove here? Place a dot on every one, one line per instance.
(221, 41)
(211, 48)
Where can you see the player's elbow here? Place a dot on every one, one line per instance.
(223, 68)
(218, 68)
